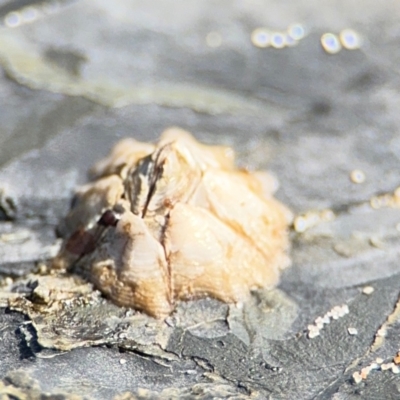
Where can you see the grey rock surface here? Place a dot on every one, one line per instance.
(77, 76)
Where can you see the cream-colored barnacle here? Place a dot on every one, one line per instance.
(261, 220)
(205, 156)
(131, 268)
(125, 154)
(90, 201)
(161, 179)
(211, 258)
(175, 221)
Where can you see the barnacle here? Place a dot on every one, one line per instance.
(173, 221)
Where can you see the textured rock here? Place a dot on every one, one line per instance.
(80, 77)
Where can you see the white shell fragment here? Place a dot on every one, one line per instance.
(357, 377)
(377, 365)
(305, 221)
(333, 314)
(368, 290)
(352, 331)
(172, 221)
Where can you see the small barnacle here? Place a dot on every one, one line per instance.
(174, 221)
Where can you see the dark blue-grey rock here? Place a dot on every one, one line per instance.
(78, 76)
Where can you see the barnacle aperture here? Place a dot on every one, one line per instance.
(174, 221)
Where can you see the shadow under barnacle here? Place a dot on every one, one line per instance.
(65, 312)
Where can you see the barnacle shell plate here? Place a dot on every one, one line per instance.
(174, 221)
